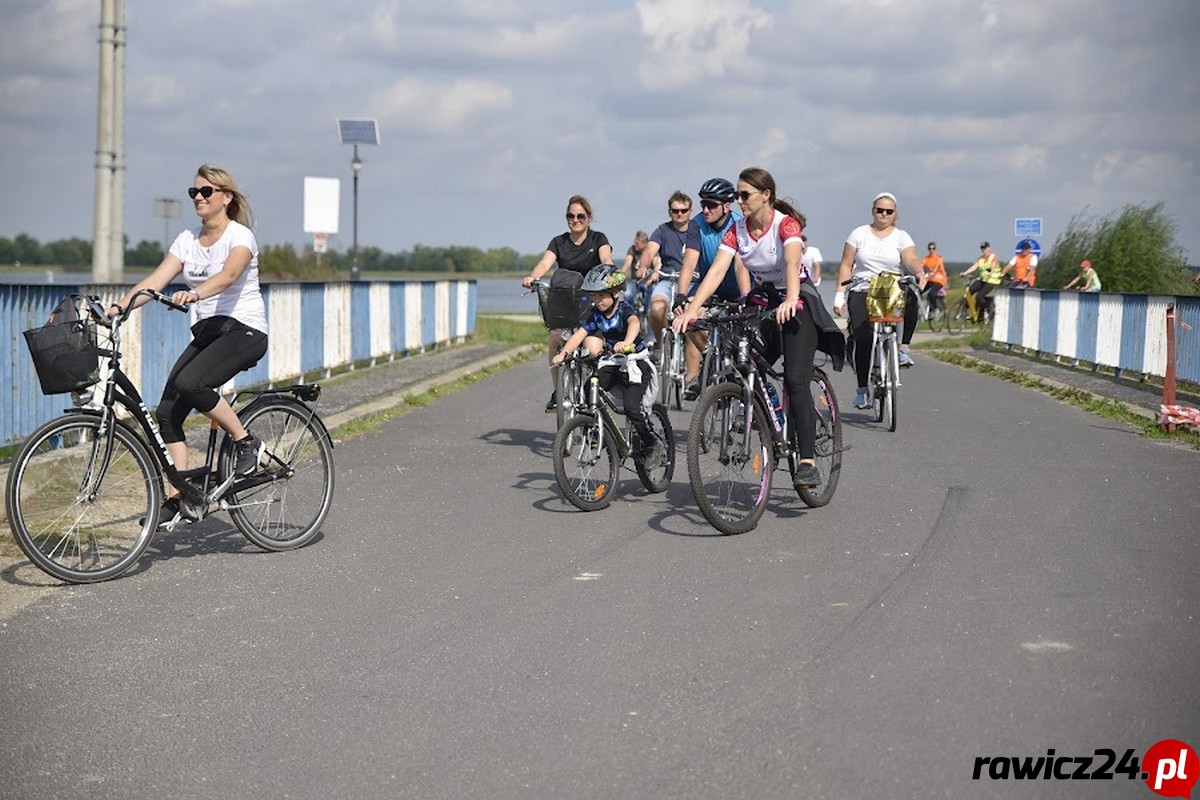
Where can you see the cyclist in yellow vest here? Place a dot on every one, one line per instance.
(990, 272)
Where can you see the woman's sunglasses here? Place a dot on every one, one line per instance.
(204, 191)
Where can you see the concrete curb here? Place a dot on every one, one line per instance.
(390, 401)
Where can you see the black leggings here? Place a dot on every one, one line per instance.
(799, 347)
(221, 347)
(614, 381)
(862, 335)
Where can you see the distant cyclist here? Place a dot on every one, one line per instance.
(666, 243)
(577, 251)
(704, 237)
(612, 327)
(870, 250)
(990, 275)
(219, 263)
(935, 276)
(1023, 267)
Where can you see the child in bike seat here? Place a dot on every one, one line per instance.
(612, 327)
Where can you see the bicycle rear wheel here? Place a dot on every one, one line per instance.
(828, 449)
(284, 504)
(730, 467)
(80, 510)
(585, 463)
(658, 479)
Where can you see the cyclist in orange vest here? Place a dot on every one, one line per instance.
(1023, 267)
(935, 273)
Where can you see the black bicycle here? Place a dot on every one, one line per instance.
(592, 446)
(85, 491)
(740, 429)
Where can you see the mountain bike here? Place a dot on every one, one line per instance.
(591, 448)
(740, 429)
(85, 491)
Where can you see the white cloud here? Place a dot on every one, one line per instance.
(695, 40)
(443, 108)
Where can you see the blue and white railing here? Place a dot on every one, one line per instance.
(1126, 332)
(314, 327)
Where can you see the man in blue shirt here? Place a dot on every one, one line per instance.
(666, 244)
(700, 247)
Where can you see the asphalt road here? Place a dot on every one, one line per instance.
(1003, 576)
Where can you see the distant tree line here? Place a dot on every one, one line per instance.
(281, 261)
(1133, 250)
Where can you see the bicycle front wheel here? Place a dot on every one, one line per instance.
(80, 509)
(935, 318)
(730, 459)
(585, 463)
(878, 379)
(284, 504)
(828, 451)
(956, 318)
(892, 382)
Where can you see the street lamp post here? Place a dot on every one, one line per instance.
(355, 132)
(355, 167)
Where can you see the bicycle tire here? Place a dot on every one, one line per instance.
(585, 463)
(878, 379)
(956, 319)
(666, 364)
(730, 481)
(828, 450)
(75, 538)
(892, 360)
(658, 479)
(287, 511)
(935, 318)
(565, 394)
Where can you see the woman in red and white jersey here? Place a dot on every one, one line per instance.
(767, 240)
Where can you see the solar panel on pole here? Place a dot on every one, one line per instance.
(355, 132)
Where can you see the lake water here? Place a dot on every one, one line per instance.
(493, 295)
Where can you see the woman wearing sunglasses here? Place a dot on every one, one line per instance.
(767, 240)
(870, 250)
(218, 260)
(576, 251)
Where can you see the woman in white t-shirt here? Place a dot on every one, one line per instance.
(767, 240)
(869, 251)
(219, 263)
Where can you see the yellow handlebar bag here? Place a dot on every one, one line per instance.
(885, 298)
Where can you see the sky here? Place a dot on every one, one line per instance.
(492, 114)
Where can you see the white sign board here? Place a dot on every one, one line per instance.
(321, 197)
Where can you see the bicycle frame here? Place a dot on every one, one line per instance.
(118, 388)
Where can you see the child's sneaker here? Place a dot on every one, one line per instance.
(860, 399)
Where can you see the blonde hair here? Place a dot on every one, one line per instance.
(239, 207)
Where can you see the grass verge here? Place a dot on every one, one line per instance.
(370, 422)
(1100, 406)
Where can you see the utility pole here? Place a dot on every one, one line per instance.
(108, 241)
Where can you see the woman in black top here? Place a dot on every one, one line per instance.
(577, 250)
